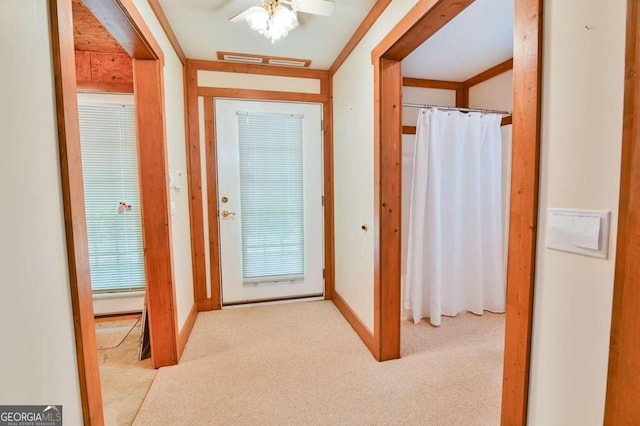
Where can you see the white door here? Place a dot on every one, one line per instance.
(270, 209)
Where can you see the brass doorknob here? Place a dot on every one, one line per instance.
(227, 213)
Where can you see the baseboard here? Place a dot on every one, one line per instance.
(361, 330)
(184, 334)
(207, 305)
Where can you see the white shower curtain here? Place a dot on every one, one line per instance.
(455, 250)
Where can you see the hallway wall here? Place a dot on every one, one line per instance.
(38, 356)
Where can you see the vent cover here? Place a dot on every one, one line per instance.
(263, 60)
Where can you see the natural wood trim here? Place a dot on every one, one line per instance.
(116, 317)
(623, 383)
(358, 326)
(462, 97)
(257, 69)
(164, 23)
(123, 21)
(156, 219)
(507, 120)
(326, 89)
(264, 58)
(361, 31)
(91, 86)
(421, 22)
(431, 84)
(272, 95)
(183, 336)
(409, 130)
(212, 201)
(490, 73)
(389, 184)
(205, 305)
(63, 55)
(194, 170)
(527, 75)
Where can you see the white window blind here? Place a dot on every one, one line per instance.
(272, 197)
(110, 172)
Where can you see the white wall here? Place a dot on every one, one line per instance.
(353, 167)
(37, 360)
(581, 148)
(177, 158)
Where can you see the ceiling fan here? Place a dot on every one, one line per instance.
(275, 18)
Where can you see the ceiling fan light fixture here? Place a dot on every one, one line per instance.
(273, 20)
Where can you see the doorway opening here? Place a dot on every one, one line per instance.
(123, 20)
(423, 21)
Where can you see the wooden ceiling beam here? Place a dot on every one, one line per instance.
(122, 20)
(490, 73)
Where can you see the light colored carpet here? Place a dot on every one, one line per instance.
(302, 364)
(110, 334)
(124, 380)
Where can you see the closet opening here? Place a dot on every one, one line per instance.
(450, 80)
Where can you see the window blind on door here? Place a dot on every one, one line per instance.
(271, 197)
(110, 173)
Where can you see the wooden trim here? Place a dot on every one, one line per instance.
(490, 73)
(361, 31)
(63, 55)
(206, 305)
(623, 383)
(123, 21)
(421, 22)
(506, 120)
(211, 155)
(91, 86)
(462, 97)
(527, 67)
(257, 69)
(263, 58)
(389, 212)
(116, 317)
(164, 23)
(221, 92)
(196, 216)
(409, 130)
(326, 89)
(183, 336)
(431, 84)
(358, 326)
(156, 218)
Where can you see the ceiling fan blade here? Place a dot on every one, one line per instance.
(316, 7)
(242, 16)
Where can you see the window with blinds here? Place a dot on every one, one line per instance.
(112, 197)
(272, 197)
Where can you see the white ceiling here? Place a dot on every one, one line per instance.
(202, 28)
(477, 39)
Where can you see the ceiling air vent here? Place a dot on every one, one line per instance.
(245, 59)
(263, 60)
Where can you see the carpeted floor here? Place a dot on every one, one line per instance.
(124, 380)
(302, 364)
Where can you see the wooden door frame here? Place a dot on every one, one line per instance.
(623, 383)
(193, 92)
(421, 22)
(124, 22)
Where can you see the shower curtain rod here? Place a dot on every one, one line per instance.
(450, 108)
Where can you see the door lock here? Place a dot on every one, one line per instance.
(225, 199)
(227, 213)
